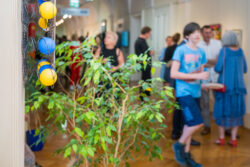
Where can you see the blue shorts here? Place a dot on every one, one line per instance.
(191, 110)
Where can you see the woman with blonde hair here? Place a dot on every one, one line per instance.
(229, 107)
(111, 54)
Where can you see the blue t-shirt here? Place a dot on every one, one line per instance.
(190, 61)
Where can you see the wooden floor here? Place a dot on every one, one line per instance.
(209, 154)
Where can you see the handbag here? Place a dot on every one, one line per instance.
(223, 86)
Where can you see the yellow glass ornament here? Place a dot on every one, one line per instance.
(48, 77)
(48, 10)
(43, 23)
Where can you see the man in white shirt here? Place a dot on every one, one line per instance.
(212, 48)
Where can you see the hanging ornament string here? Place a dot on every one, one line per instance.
(54, 38)
(47, 44)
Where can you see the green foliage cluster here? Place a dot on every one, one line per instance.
(106, 119)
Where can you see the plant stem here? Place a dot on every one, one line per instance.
(132, 143)
(114, 81)
(120, 126)
(74, 113)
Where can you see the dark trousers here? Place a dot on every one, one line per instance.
(146, 76)
(178, 121)
(146, 73)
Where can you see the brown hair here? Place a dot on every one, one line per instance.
(205, 27)
(145, 30)
(176, 37)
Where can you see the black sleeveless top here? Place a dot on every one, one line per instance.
(110, 54)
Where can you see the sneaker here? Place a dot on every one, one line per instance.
(179, 153)
(220, 142)
(195, 143)
(190, 161)
(176, 136)
(233, 143)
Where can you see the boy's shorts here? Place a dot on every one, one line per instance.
(191, 110)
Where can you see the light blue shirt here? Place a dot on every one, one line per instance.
(190, 61)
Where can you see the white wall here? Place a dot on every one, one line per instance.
(99, 10)
(11, 86)
(232, 14)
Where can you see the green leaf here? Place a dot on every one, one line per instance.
(80, 118)
(153, 135)
(104, 147)
(36, 105)
(37, 132)
(96, 138)
(108, 130)
(96, 77)
(87, 81)
(112, 127)
(74, 146)
(127, 164)
(159, 118)
(83, 152)
(157, 149)
(108, 140)
(78, 131)
(151, 116)
(51, 104)
(27, 109)
(82, 99)
(90, 115)
(90, 152)
(139, 115)
(67, 152)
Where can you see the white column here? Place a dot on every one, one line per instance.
(11, 86)
(248, 60)
(247, 116)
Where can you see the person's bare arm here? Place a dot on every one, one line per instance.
(121, 60)
(97, 53)
(183, 76)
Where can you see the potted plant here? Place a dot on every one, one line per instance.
(106, 119)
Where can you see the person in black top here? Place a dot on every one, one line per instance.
(169, 52)
(111, 54)
(141, 48)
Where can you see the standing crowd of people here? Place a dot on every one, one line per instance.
(196, 69)
(199, 69)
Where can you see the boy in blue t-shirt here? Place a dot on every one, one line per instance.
(188, 70)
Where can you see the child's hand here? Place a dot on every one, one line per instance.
(203, 87)
(202, 75)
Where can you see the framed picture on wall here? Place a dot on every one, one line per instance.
(239, 35)
(216, 31)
